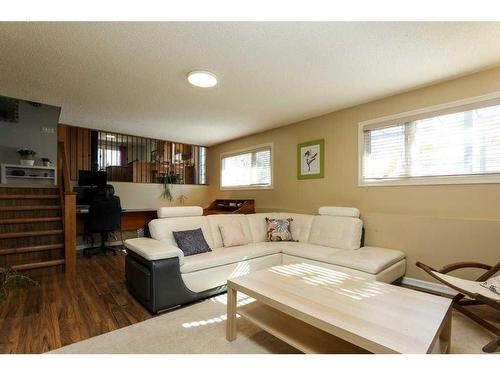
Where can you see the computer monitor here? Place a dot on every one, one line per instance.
(89, 178)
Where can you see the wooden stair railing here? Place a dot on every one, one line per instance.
(68, 203)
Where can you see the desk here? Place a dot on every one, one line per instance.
(132, 218)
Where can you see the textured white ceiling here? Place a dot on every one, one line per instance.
(130, 77)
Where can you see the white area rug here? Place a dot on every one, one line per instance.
(200, 328)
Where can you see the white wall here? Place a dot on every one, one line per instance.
(136, 195)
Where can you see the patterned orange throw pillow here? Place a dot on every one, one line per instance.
(279, 230)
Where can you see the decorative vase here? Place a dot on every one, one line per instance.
(27, 162)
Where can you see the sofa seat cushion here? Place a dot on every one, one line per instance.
(202, 280)
(367, 259)
(227, 255)
(151, 249)
(308, 251)
(388, 275)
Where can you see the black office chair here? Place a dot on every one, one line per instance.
(105, 216)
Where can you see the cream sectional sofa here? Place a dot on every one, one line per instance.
(160, 276)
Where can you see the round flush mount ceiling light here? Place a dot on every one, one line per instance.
(202, 78)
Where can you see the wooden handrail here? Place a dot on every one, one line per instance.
(68, 201)
(63, 169)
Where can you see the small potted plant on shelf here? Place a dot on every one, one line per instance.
(27, 157)
(46, 162)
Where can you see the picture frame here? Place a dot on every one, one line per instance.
(311, 159)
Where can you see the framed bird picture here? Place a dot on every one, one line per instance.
(311, 159)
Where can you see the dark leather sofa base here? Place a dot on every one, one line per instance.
(158, 284)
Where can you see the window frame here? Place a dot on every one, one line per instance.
(245, 151)
(450, 107)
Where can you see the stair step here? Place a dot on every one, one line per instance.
(30, 208)
(31, 249)
(28, 220)
(29, 196)
(31, 234)
(48, 263)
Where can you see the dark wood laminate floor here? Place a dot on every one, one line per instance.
(61, 311)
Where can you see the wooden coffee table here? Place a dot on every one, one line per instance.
(320, 310)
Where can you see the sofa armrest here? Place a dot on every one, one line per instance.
(151, 249)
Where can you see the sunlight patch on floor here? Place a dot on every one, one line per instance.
(241, 298)
(201, 323)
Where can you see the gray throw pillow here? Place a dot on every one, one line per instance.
(191, 242)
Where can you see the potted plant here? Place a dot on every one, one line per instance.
(167, 180)
(27, 157)
(46, 162)
(12, 279)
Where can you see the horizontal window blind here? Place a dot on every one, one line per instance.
(247, 169)
(108, 157)
(452, 144)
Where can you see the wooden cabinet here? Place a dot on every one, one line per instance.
(189, 174)
(230, 206)
(117, 173)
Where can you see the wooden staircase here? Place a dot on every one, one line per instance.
(31, 227)
(38, 225)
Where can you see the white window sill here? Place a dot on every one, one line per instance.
(246, 188)
(447, 180)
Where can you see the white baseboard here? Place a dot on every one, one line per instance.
(435, 287)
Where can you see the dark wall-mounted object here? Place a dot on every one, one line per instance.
(18, 172)
(9, 109)
(94, 136)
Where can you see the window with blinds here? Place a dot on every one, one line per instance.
(247, 169)
(447, 146)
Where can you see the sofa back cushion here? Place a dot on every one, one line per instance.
(216, 220)
(183, 211)
(339, 211)
(336, 231)
(161, 229)
(232, 234)
(300, 226)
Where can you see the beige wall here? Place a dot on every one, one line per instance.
(434, 224)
